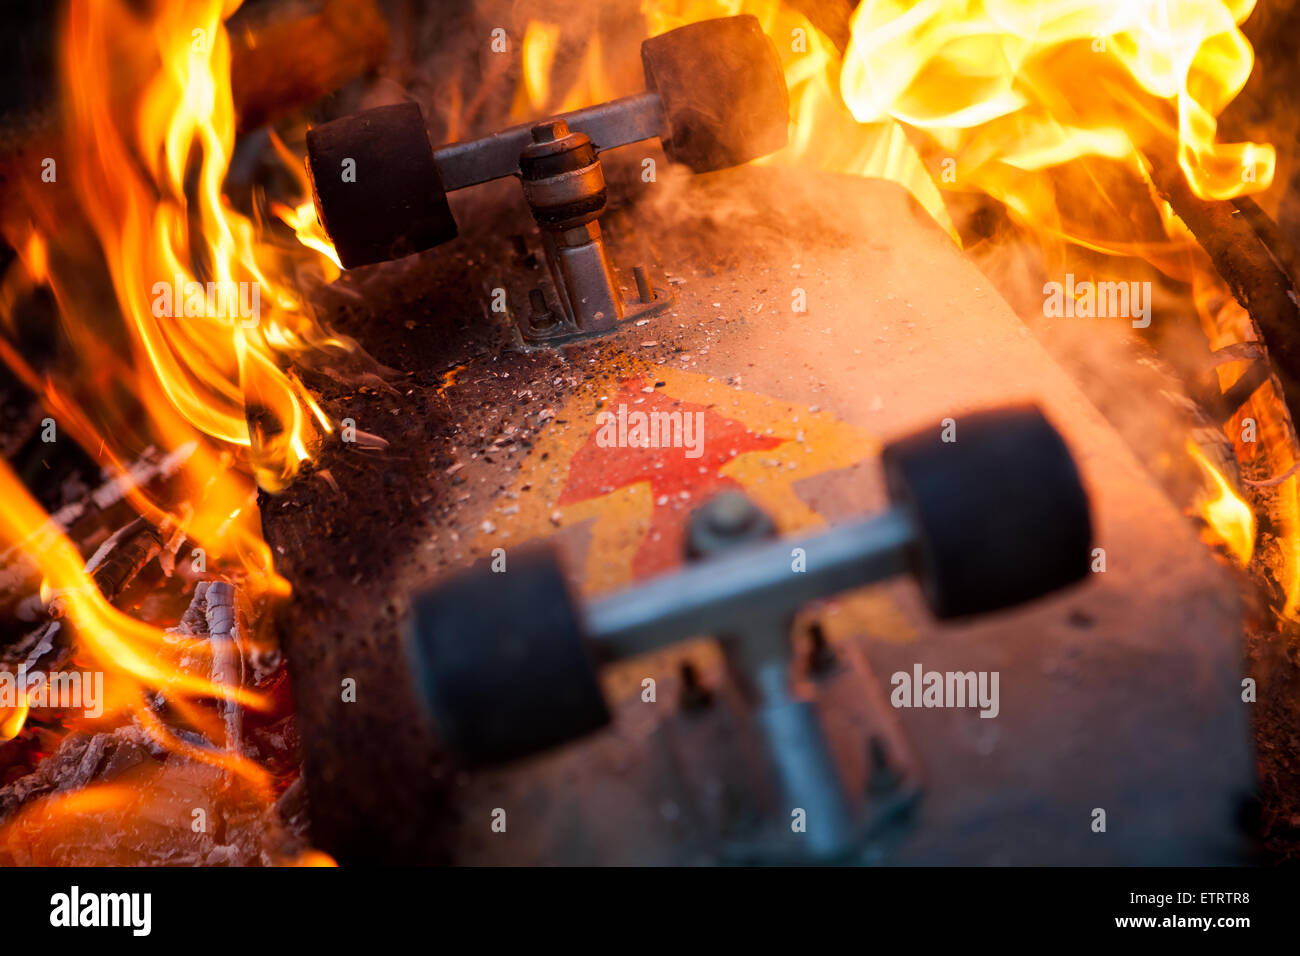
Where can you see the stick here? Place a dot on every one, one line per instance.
(1255, 280)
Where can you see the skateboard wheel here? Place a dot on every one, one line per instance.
(1000, 513)
(500, 663)
(377, 188)
(723, 92)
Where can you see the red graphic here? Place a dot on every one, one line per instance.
(677, 483)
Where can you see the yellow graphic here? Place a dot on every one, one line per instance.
(755, 443)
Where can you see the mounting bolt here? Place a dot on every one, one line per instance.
(550, 131)
(643, 285)
(731, 514)
(541, 317)
(723, 522)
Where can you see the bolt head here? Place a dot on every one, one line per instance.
(728, 520)
(731, 513)
(550, 131)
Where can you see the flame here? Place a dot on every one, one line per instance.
(167, 241)
(36, 258)
(190, 353)
(541, 45)
(302, 218)
(1052, 108)
(985, 90)
(1004, 94)
(1271, 450)
(1226, 513)
(306, 227)
(12, 720)
(136, 657)
(1017, 85)
(972, 95)
(537, 57)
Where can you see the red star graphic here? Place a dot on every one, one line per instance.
(595, 471)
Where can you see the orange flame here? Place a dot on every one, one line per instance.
(200, 340)
(179, 264)
(1228, 516)
(12, 720)
(1015, 85)
(136, 656)
(1008, 90)
(996, 96)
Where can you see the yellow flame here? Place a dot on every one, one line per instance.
(537, 57)
(302, 218)
(12, 720)
(150, 131)
(1270, 452)
(306, 226)
(36, 258)
(1012, 85)
(167, 231)
(589, 84)
(1225, 512)
(135, 656)
(823, 134)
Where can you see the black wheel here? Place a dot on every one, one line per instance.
(499, 660)
(377, 188)
(723, 92)
(1001, 514)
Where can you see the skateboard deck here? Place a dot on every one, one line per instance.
(814, 317)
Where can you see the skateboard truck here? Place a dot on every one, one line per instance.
(565, 188)
(715, 96)
(507, 664)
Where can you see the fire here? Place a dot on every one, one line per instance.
(1007, 86)
(302, 217)
(194, 349)
(306, 226)
(207, 323)
(136, 654)
(823, 134)
(213, 366)
(1228, 516)
(1001, 97)
(1001, 90)
(1270, 451)
(539, 51)
(979, 95)
(12, 720)
(191, 350)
